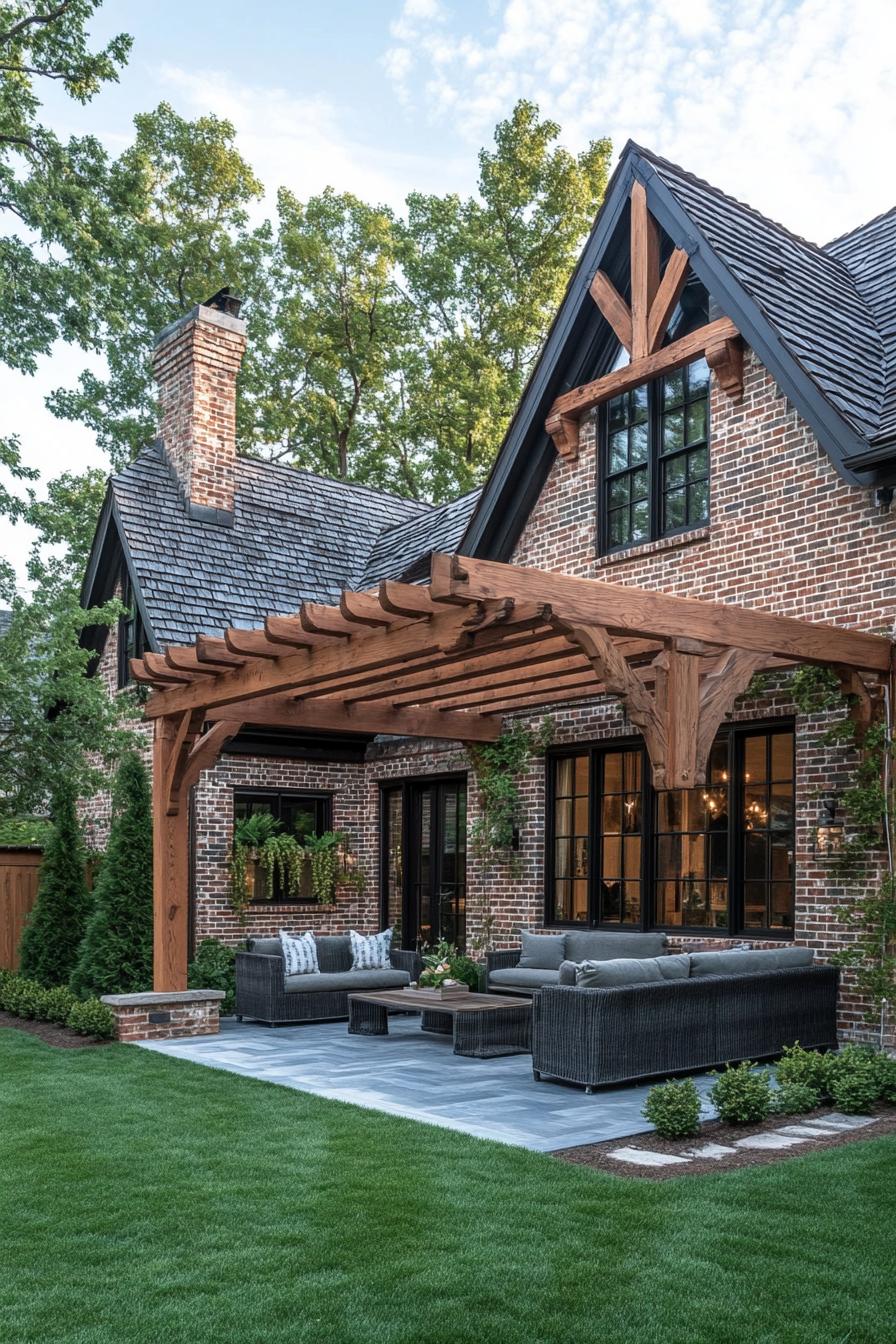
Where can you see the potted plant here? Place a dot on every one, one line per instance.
(448, 971)
(250, 835)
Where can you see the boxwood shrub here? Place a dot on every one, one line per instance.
(673, 1109)
(741, 1096)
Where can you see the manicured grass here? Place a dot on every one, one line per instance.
(145, 1199)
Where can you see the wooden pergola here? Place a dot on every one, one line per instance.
(449, 661)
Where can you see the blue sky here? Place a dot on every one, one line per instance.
(788, 104)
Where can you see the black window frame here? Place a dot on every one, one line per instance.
(323, 800)
(735, 736)
(655, 464)
(131, 635)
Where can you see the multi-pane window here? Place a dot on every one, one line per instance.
(299, 814)
(767, 766)
(620, 793)
(571, 826)
(718, 857)
(692, 850)
(655, 458)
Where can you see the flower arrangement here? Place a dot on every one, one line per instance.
(444, 965)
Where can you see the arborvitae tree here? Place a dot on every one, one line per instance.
(56, 925)
(116, 954)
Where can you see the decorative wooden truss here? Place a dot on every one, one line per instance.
(641, 328)
(447, 661)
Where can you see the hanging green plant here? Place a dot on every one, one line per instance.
(282, 860)
(323, 854)
(250, 835)
(498, 767)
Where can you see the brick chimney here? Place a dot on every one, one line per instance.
(195, 363)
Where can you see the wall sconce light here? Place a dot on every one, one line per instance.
(828, 831)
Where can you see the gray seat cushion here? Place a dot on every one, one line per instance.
(746, 963)
(266, 947)
(353, 981)
(598, 945)
(542, 951)
(619, 971)
(521, 977)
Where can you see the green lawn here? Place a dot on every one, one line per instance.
(144, 1199)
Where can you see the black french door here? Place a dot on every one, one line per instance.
(424, 860)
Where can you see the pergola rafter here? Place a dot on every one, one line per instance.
(447, 661)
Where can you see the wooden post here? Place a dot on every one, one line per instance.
(171, 866)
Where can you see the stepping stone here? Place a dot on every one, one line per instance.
(639, 1157)
(769, 1141)
(811, 1131)
(713, 1150)
(837, 1121)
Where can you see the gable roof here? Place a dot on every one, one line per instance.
(820, 319)
(403, 551)
(294, 536)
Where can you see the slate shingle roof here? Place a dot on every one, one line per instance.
(295, 536)
(869, 252)
(400, 548)
(812, 297)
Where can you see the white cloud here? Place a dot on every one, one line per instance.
(301, 143)
(784, 103)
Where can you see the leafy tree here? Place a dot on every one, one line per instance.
(327, 335)
(115, 956)
(56, 924)
(175, 230)
(57, 721)
(50, 190)
(486, 276)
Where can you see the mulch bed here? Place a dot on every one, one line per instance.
(63, 1037)
(596, 1155)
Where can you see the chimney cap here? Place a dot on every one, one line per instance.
(225, 302)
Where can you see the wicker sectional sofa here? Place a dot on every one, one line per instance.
(598, 1036)
(266, 994)
(512, 972)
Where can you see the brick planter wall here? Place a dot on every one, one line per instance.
(162, 1017)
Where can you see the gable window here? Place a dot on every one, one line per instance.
(301, 815)
(718, 857)
(654, 455)
(131, 638)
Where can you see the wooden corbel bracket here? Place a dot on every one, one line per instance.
(564, 430)
(726, 359)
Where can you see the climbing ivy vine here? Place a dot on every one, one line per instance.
(498, 767)
(868, 806)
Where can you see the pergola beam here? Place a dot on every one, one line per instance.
(636, 611)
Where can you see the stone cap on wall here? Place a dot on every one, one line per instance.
(156, 997)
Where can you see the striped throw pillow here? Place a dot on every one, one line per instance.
(371, 953)
(299, 954)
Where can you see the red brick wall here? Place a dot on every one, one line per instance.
(196, 363)
(785, 534)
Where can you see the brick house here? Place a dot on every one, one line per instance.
(744, 460)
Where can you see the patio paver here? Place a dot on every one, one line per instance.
(411, 1074)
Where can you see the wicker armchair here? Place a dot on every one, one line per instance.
(599, 1036)
(262, 995)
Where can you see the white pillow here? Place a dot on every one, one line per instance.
(299, 954)
(371, 953)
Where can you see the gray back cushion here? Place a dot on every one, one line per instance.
(542, 951)
(596, 945)
(267, 947)
(619, 971)
(675, 966)
(334, 952)
(745, 963)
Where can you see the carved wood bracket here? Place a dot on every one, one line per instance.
(691, 696)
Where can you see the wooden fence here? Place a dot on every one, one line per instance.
(19, 874)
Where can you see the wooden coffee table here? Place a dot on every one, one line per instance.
(483, 1026)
